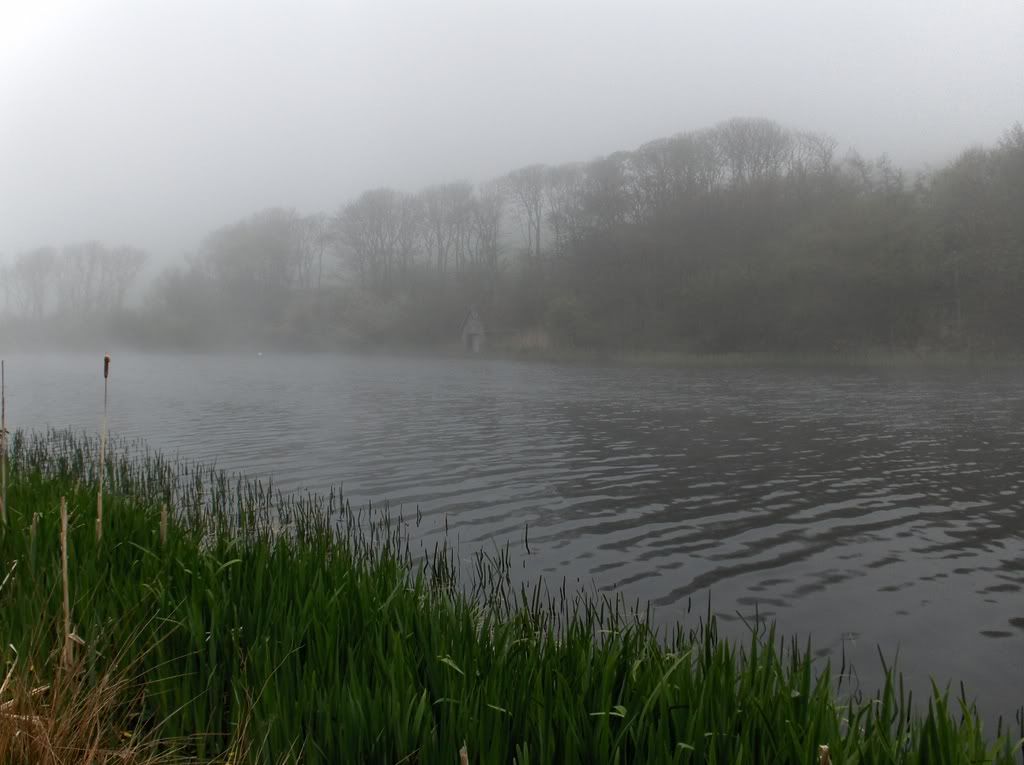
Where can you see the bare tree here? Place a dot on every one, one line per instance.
(78, 278)
(322, 236)
(607, 192)
(259, 253)
(814, 153)
(445, 216)
(305, 251)
(667, 172)
(461, 222)
(526, 188)
(123, 267)
(30, 277)
(409, 224)
(370, 228)
(488, 211)
(753, 149)
(564, 190)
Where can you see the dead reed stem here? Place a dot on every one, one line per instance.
(9, 575)
(103, 451)
(7, 680)
(68, 645)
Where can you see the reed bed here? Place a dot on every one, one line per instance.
(266, 628)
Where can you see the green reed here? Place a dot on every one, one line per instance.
(273, 628)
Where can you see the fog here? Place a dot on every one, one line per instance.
(153, 124)
(662, 299)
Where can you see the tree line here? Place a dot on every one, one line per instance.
(76, 281)
(746, 236)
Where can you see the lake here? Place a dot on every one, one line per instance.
(865, 509)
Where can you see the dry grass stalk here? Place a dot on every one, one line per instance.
(103, 450)
(9, 575)
(824, 757)
(7, 680)
(464, 754)
(75, 719)
(9, 704)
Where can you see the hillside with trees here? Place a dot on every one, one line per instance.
(747, 236)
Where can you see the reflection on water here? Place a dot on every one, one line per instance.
(861, 508)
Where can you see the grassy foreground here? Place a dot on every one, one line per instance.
(245, 626)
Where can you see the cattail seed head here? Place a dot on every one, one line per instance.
(106, 366)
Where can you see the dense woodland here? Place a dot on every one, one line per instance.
(743, 237)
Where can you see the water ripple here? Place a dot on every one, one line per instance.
(884, 505)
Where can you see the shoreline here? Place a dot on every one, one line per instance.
(667, 359)
(866, 359)
(299, 617)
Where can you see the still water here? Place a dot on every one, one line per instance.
(865, 509)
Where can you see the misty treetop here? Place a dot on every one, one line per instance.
(743, 237)
(78, 281)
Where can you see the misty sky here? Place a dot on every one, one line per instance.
(151, 123)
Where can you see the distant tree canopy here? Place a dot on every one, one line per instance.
(745, 236)
(78, 281)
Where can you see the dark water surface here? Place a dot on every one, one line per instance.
(862, 509)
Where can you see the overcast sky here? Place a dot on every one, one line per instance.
(151, 123)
